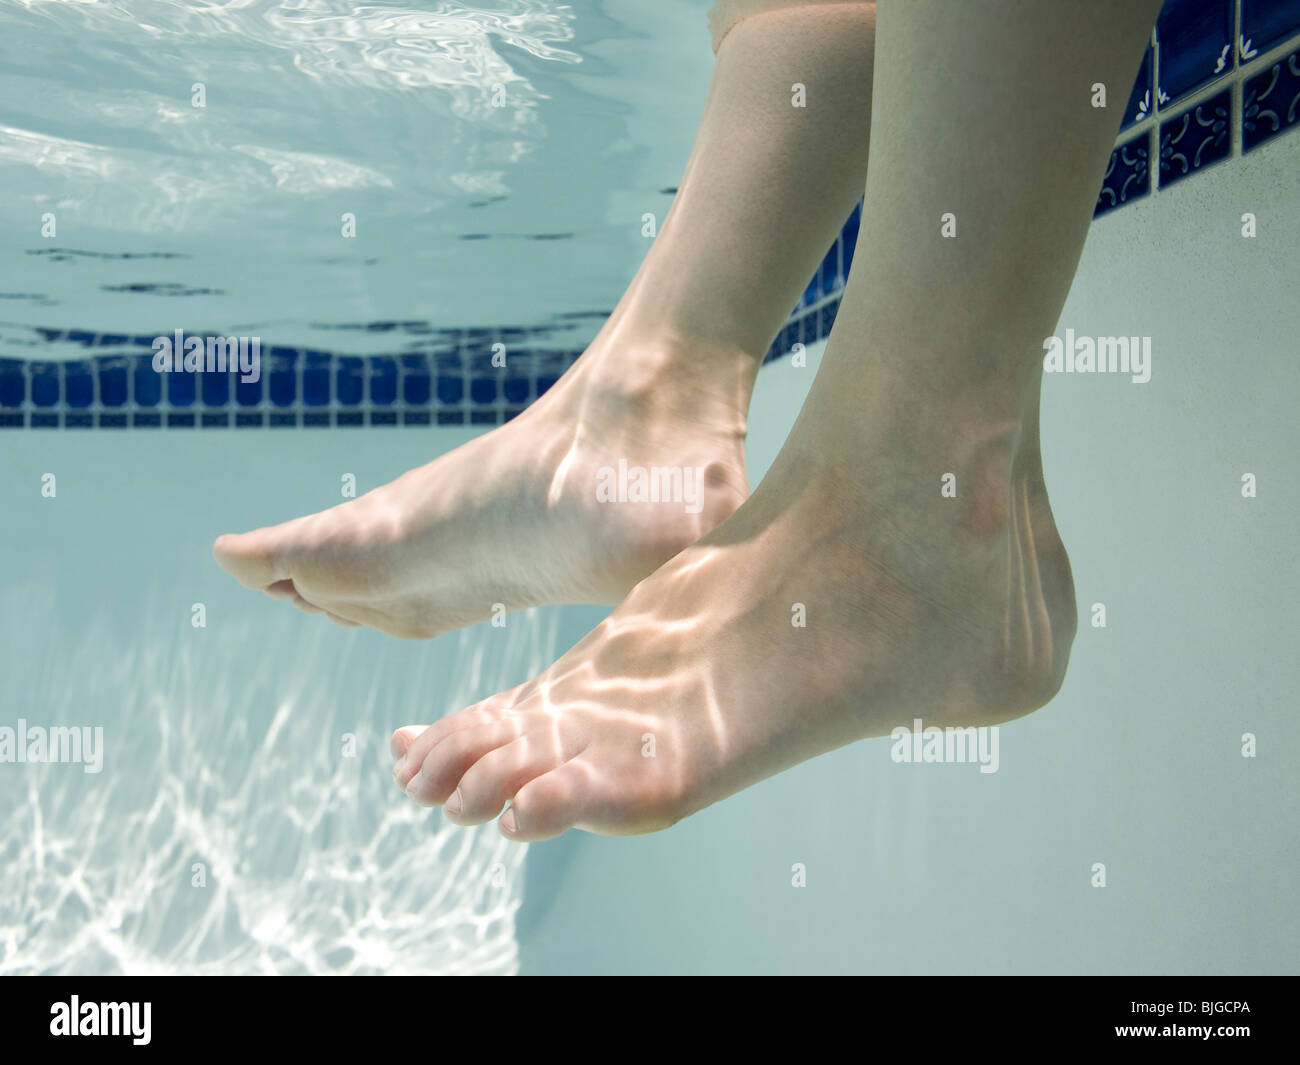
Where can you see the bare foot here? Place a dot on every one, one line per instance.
(545, 509)
(957, 611)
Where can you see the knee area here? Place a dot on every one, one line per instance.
(726, 13)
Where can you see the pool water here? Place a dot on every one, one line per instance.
(244, 819)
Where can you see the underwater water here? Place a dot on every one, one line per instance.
(189, 165)
(238, 815)
(199, 158)
(226, 839)
(242, 816)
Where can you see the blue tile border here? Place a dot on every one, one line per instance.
(452, 381)
(455, 383)
(296, 388)
(1248, 95)
(301, 388)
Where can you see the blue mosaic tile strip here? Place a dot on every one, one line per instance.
(459, 382)
(294, 387)
(310, 388)
(1270, 102)
(453, 379)
(1193, 140)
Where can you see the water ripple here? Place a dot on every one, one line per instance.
(303, 97)
(231, 831)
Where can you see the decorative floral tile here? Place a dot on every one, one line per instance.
(1270, 102)
(1128, 175)
(1265, 23)
(1139, 100)
(1193, 140)
(1195, 42)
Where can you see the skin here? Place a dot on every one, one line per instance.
(512, 517)
(956, 609)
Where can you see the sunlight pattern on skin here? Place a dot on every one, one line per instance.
(701, 683)
(513, 518)
(524, 738)
(556, 490)
(219, 753)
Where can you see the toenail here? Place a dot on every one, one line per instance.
(455, 804)
(508, 822)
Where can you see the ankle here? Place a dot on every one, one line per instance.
(935, 483)
(668, 380)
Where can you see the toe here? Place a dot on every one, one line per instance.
(254, 558)
(495, 778)
(403, 738)
(306, 607)
(434, 779)
(423, 740)
(546, 806)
